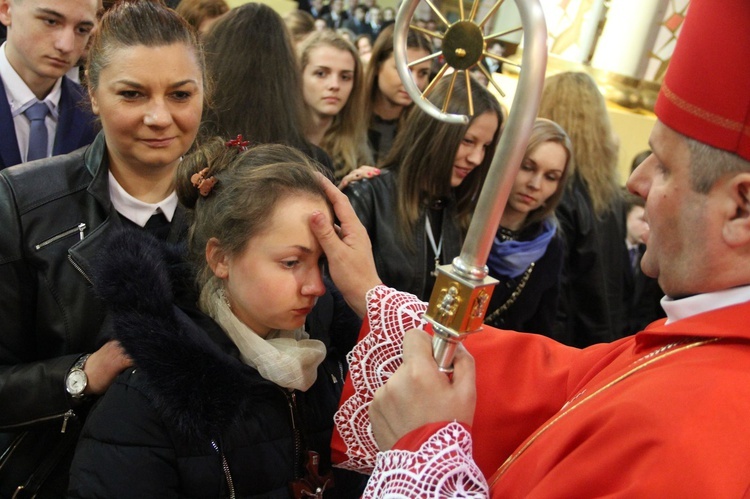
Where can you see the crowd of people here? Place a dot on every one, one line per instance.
(210, 212)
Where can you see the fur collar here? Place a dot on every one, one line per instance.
(192, 379)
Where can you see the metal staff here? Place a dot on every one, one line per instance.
(462, 291)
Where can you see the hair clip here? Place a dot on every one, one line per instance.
(238, 143)
(203, 184)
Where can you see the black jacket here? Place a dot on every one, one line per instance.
(591, 308)
(374, 201)
(534, 309)
(191, 418)
(54, 215)
(642, 299)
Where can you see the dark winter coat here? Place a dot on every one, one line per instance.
(190, 419)
(589, 310)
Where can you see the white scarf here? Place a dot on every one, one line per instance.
(288, 358)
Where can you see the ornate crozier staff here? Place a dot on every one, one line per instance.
(462, 291)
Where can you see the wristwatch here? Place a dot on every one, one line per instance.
(76, 381)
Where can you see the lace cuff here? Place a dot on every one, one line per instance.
(442, 468)
(373, 360)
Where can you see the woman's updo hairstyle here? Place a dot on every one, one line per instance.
(131, 23)
(248, 185)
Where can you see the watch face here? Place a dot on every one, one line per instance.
(76, 382)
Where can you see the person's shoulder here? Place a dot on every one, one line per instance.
(73, 88)
(371, 188)
(384, 181)
(40, 181)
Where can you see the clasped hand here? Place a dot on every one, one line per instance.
(418, 394)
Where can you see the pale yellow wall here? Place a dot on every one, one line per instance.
(633, 130)
(283, 7)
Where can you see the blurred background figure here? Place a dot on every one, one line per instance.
(386, 100)
(591, 214)
(337, 16)
(364, 48)
(333, 89)
(389, 16)
(357, 22)
(202, 14)
(317, 9)
(636, 225)
(642, 293)
(374, 21)
(320, 24)
(495, 47)
(477, 74)
(300, 24)
(346, 34)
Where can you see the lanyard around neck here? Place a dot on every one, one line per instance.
(435, 248)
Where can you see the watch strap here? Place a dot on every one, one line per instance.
(80, 362)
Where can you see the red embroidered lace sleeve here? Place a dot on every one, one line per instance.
(442, 468)
(373, 360)
(443, 465)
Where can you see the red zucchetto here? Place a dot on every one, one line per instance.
(706, 91)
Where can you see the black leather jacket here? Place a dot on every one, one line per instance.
(591, 306)
(54, 214)
(374, 201)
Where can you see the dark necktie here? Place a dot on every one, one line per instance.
(158, 225)
(38, 132)
(633, 258)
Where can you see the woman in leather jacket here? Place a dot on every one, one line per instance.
(418, 209)
(235, 398)
(527, 253)
(55, 215)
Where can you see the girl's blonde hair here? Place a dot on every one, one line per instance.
(573, 101)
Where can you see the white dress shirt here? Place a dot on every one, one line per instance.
(136, 210)
(697, 304)
(20, 98)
